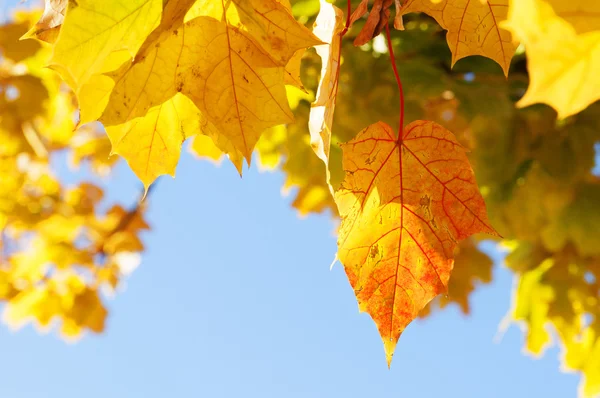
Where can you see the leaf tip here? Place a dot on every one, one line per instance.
(29, 35)
(389, 344)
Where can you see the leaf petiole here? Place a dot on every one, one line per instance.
(395, 67)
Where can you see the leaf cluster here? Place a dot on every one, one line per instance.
(235, 76)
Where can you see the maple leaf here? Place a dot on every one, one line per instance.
(152, 143)
(473, 27)
(472, 268)
(229, 55)
(292, 71)
(93, 29)
(48, 27)
(328, 27)
(268, 22)
(212, 64)
(405, 204)
(204, 148)
(563, 52)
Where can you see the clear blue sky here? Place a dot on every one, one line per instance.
(235, 298)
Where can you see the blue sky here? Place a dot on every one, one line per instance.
(235, 298)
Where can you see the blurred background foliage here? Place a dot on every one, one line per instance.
(59, 250)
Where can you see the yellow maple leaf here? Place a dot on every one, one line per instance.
(94, 94)
(269, 23)
(473, 27)
(238, 88)
(93, 29)
(232, 67)
(292, 71)
(152, 144)
(405, 204)
(563, 52)
(204, 148)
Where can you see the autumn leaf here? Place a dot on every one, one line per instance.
(292, 71)
(405, 204)
(328, 27)
(92, 30)
(360, 11)
(378, 18)
(269, 23)
(204, 148)
(473, 27)
(472, 268)
(215, 59)
(48, 27)
(152, 143)
(562, 42)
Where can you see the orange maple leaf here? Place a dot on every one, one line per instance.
(405, 205)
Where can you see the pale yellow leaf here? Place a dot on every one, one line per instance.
(473, 27)
(563, 54)
(93, 29)
(328, 28)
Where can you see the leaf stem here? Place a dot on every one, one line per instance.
(348, 15)
(342, 34)
(395, 67)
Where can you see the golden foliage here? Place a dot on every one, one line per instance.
(58, 251)
(156, 72)
(562, 39)
(474, 27)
